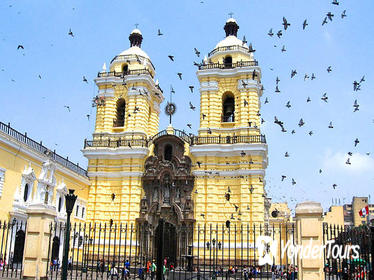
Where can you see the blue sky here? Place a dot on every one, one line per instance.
(101, 30)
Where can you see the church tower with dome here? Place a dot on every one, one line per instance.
(139, 175)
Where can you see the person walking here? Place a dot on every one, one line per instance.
(153, 270)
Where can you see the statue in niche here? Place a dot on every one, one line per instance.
(166, 189)
(155, 195)
(177, 194)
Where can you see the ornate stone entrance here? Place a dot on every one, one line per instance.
(167, 185)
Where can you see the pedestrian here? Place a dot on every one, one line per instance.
(153, 269)
(113, 271)
(70, 263)
(245, 272)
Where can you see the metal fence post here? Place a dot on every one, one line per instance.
(160, 246)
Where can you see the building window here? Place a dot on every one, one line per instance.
(168, 152)
(121, 111)
(26, 192)
(227, 61)
(83, 210)
(76, 211)
(125, 68)
(228, 108)
(59, 204)
(2, 180)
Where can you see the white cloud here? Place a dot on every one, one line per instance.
(336, 163)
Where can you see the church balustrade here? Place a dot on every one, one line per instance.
(255, 139)
(40, 148)
(115, 143)
(228, 48)
(124, 73)
(225, 65)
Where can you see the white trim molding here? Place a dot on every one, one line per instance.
(115, 153)
(2, 180)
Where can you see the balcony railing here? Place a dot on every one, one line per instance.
(38, 147)
(124, 73)
(228, 65)
(228, 48)
(253, 139)
(116, 143)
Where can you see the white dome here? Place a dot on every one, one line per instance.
(231, 41)
(136, 31)
(135, 51)
(231, 20)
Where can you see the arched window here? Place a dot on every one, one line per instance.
(121, 111)
(228, 108)
(26, 192)
(228, 61)
(59, 204)
(125, 68)
(168, 152)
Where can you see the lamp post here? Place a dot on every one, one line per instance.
(70, 199)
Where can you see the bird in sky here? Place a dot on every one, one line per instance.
(308, 99)
(301, 122)
(306, 77)
(70, 33)
(356, 106)
(324, 21)
(192, 107)
(343, 15)
(285, 23)
(203, 115)
(288, 105)
(266, 101)
(334, 186)
(189, 125)
(191, 88)
(20, 47)
(310, 133)
(348, 162)
(159, 33)
(293, 181)
(330, 16)
(277, 89)
(270, 33)
(283, 48)
(67, 107)
(324, 97)
(330, 125)
(329, 69)
(305, 24)
(293, 73)
(279, 34)
(85, 79)
(283, 177)
(198, 163)
(356, 142)
(313, 77)
(244, 41)
(286, 154)
(197, 52)
(245, 103)
(335, 2)
(171, 57)
(179, 75)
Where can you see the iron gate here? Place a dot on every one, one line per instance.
(12, 248)
(341, 260)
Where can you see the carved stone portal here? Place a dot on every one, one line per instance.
(167, 184)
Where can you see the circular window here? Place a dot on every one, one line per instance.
(26, 192)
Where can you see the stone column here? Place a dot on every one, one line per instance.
(310, 233)
(40, 218)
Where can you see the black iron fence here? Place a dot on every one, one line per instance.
(12, 237)
(349, 252)
(202, 251)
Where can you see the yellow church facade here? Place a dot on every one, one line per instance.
(138, 176)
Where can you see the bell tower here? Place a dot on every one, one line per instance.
(128, 106)
(128, 100)
(229, 153)
(230, 86)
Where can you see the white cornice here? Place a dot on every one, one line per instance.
(224, 150)
(115, 174)
(231, 173)
(21, 147)
(115, 153)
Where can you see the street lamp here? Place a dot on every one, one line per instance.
(70, 199)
